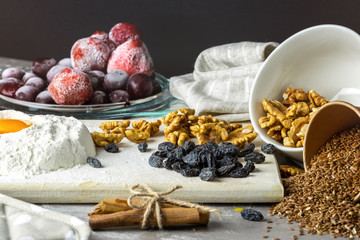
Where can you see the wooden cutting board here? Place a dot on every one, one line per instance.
(85, 184)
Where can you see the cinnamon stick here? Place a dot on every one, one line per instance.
(171, 217)
(111, 205)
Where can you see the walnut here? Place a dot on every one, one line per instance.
(267, 121)
(275, 132)
(177, 137)
(296, 132)
(144, 126)
(103, 139)
(292, 95)
(210, 132)
(137, 136)
(316, 100)
(183, 111)
(240, 136)
(280, 116)
(115, 126)
(279, 105)
(299, 109)
(287, 171)
(289, 124)
(183, 124)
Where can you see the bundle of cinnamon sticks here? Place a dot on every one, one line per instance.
(117, 212)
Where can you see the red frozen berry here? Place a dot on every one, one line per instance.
(70, 87)
(131, 57)
(122, 32)
(101, 35)
(90, 54)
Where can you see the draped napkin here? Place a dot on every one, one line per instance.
(222, 79)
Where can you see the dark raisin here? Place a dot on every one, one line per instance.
(214, 148)
(167, 163)
(227, 160)
(179, 153)
(207, 159)
(161, 153)
(224, 170)
(207, 174)
(166, 146)
(268, 148)
(229, 149)
(93, 162)
(112, 148)
(179, 165)
(143, 146)
(190, 172)
(252, 215)
(239, 173)
(255, 157)
(249, 166)
(211, 146)
(248, 149)
(188, 146)
(192, 159)
(199, 148)
(155, 161)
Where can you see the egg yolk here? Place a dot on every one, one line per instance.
(12, 125)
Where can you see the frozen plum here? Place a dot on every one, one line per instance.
(89, 54)
(27, 76)
(70, 87)
(9, 86)
(44, 97)
(41, 66)
(99, 97)
(27, 93)
(13, 72)
(139, 86)
(122, 32)
(36, 82)
(96, 78)
(131, 57)
(53, 71)
(115, 80)
(119, 96)
(156, 87)
(65, 62)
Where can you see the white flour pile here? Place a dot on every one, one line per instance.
(49, 144)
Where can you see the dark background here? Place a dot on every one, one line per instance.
(175, 31)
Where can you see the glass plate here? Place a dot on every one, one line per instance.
(147, 107)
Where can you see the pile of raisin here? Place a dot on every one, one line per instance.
(207, 161)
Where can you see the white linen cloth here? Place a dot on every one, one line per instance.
(20, 220)
(222, 79)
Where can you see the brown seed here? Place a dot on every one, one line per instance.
(291, 229)
(269, 221)
(294, 237)
(276, 239)
(264, 236)
(321, 199)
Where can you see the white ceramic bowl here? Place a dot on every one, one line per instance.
(325, 58)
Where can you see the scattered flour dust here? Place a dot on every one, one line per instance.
(49, 144)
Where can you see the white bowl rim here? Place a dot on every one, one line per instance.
(278, 145)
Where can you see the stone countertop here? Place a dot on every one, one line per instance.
(230, 226)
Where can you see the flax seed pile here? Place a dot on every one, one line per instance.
(321, 200)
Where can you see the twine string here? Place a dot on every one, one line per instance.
(152, 201)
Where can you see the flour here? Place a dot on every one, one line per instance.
(50, 143)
